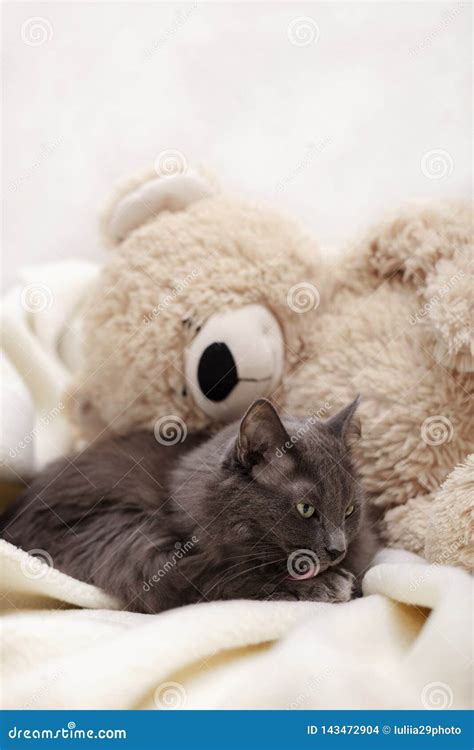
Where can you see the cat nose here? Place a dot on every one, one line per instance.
(334, 552)
(217, 371)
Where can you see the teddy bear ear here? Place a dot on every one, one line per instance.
(143, 197)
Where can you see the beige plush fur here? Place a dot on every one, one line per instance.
(393, 324)
(446, 515)
(398, 330)
(219, 254)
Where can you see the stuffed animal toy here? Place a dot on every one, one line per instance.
(190, 316)
(207, 301)
(398, 330)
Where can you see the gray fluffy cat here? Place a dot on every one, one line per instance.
(263, 510)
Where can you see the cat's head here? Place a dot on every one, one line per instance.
(289, 485)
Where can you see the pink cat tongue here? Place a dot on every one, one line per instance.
(303, 576)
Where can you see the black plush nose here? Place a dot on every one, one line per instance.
(334, 552)
(217, 372)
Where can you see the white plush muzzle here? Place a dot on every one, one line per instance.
(236, 357)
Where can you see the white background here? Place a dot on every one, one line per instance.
(112, 85)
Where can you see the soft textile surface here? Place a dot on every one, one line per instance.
(40, 336)
(405, 644)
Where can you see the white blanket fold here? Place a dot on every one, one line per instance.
(405, 644)
(40, 335)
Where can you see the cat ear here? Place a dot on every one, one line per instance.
(346, 424)
(261, 433)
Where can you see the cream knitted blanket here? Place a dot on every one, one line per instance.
(405, 644)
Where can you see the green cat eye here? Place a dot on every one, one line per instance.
(305, 509)
(350, 510)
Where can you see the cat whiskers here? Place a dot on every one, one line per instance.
(255, 554)
(242, 559)
(274, 580)
(227, 580)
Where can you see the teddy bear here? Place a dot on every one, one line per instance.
(398, 330)
(196, 311)
(208, 301)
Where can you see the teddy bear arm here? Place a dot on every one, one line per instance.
(406, 525)
(449, 539)
(438, 525)
(428, 248)
(411, 241)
